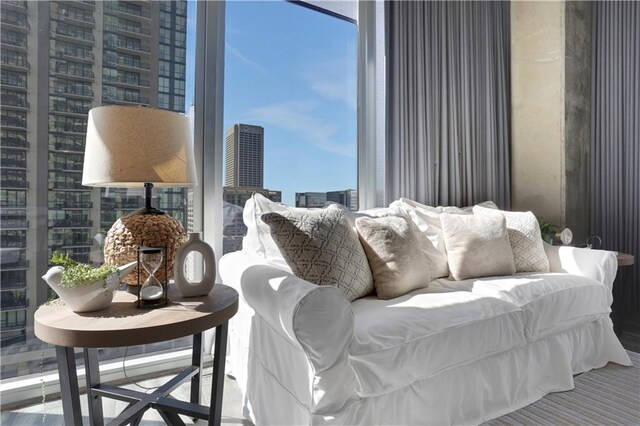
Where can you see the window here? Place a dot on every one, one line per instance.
(289, 110)
(94, 54)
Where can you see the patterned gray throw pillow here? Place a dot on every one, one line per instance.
(526, 241)
(321, 247)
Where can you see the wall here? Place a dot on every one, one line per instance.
(550, 70)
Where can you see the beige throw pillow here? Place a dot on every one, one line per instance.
(477, 245)
(321, 247)
(525, 240)
(397, 259)
(427, 219)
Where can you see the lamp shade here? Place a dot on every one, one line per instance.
(128, 146)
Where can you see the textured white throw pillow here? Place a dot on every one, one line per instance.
(321, 246)
(477, 245)
(526, 241)
(395, 253)
(427, 219)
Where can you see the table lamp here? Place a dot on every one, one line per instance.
(135, 146)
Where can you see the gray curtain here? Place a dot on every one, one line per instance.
(448, 102)
(615, 137)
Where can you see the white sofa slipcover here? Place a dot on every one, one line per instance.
(454, 353)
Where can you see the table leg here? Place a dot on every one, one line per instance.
(196, 361)
(217, 381)
(92, 369)
(69, 391)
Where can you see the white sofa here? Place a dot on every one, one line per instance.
(452, 353)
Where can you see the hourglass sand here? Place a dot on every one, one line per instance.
(152, 291)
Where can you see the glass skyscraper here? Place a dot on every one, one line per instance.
(59, 59)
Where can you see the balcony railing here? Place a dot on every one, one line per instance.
(14, 223)
(88, 19)
(14, 163)
(128, 81)
(121, 28)
(69, 242)
(68, 107)
(15, 284)
(81, 74)
(14, 143)
(122, 45)
(22, 4)
(89, 56)
(134, 64)
(22, 25)
(71, 90)
(70, 223)
(14, 100)
(13, 304)
(15, 62)
(13, 325)
(14, 122)
(122, 99)
(71, 204)
(15, 39)
(72, 147)
(129, 11)
(67, 185)
(80, 36)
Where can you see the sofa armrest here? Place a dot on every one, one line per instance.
(316, 319)
(600, 265)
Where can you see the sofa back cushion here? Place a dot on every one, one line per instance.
(477, 245)
(320, 246)
(395, 253)
(526, 241)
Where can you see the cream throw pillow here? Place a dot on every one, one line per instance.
(477, 245)
(397, 259)
(321, 247)
(525, 240)
(427, 219)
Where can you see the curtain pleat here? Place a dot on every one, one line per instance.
(448, 102)
(615, 136)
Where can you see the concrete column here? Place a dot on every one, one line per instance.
(551, 74)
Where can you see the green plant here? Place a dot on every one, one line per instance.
(547, 229)
(76, 274)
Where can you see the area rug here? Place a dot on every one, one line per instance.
(607, 396)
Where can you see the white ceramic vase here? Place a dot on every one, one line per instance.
(87, 297)
(204, 286)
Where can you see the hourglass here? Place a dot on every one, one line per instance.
(152, 293)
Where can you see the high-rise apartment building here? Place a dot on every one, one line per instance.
(244, 156)
(347, 197)
(58, 60)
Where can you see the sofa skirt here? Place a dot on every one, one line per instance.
(464, 394)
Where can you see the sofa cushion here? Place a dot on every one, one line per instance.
(321, 247)
(551, 302)
(396, 256)
(425, 332)
(525, 240)
(477, 245)
(427, 219)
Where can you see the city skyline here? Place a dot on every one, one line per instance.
(300, 89)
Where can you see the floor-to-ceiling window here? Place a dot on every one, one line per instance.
(60, 59)
(290, 116)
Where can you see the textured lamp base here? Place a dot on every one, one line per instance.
(150, 230)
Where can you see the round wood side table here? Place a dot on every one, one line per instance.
(124, 324)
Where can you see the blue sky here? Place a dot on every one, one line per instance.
(293, 71)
